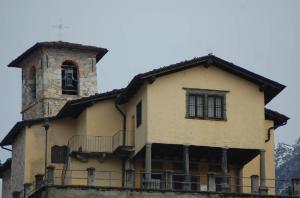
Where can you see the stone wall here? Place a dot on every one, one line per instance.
(17, 164)
(6, 184)
(46, 63)
(93, 192)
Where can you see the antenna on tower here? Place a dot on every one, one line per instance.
(60, 27)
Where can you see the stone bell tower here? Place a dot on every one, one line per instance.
(55, 72)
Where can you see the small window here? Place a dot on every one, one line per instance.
(206, 104)
(59, 154)
(32, 77)
(69, 78)
(139, 114)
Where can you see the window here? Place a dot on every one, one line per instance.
(196, 106)
(206, 104)
(139, 114)
(32, 77)
(215, 107)
(59, 154)
(69, 78)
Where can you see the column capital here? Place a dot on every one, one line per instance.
(262, 150)
(148, 144)
(91, 169)
(224, 148)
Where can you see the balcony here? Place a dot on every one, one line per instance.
(121, 143)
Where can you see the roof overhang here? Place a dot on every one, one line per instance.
(5, 166)
(100, 52)
(278, 118)
(269, 87)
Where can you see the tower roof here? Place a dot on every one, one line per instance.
(100, 52)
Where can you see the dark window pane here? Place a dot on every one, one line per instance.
(139, 114)
(200, 105)
(192, 106)
(218, 107)
(211, 107)
(59, 154)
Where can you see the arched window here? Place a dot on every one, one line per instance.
(69, 78)
(32, 78)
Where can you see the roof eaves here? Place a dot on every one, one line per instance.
(8, 139)
(75, 107)
(278, 118)
(100, 51)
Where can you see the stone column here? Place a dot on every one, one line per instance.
(39, 181)
(90, 176)
(168, 177)
(130, 178)
(148, 162)
(254, 184)
(225, 178)
(211, 182)
(186, 167)
(27, 189)
(50, 175)
(262, 172)
(296, 186)
(240, 179)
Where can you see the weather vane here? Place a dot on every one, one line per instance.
(60, 27)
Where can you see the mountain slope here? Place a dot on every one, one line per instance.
(287, 165)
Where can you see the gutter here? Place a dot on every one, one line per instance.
(273, 128)
(124, 139)
(6, 148)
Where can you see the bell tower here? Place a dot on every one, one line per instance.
(55, 72)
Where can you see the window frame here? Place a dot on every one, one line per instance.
(139, 114)
(206, 93)
(59, 154)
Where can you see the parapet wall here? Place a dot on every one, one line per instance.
(96, 192)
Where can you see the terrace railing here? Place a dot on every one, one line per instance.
(100, 144)
(160, 180)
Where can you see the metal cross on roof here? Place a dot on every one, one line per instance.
(60, 28)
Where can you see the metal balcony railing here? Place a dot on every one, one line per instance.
(100, 144)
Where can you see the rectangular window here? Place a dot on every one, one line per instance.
(196, 106)
(139, 114)
(206, 104)
(215, 107)
(59, 154)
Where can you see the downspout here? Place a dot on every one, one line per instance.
(124, 138)
(6, 148)
(273, 128)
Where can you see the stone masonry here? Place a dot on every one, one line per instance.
(6, 184)
(43, 69)
(17, 165)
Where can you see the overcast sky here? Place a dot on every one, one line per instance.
(261, 36)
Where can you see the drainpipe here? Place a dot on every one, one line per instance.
(124, 138)
(273, 128)
(124, 122)
(6, 148)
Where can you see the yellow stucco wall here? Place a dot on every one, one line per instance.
(252, 168)
(103, 119)
(108, 172)
(59, 133)
(244, 127)
(139, 133)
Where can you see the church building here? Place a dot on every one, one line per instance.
(200, 125)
